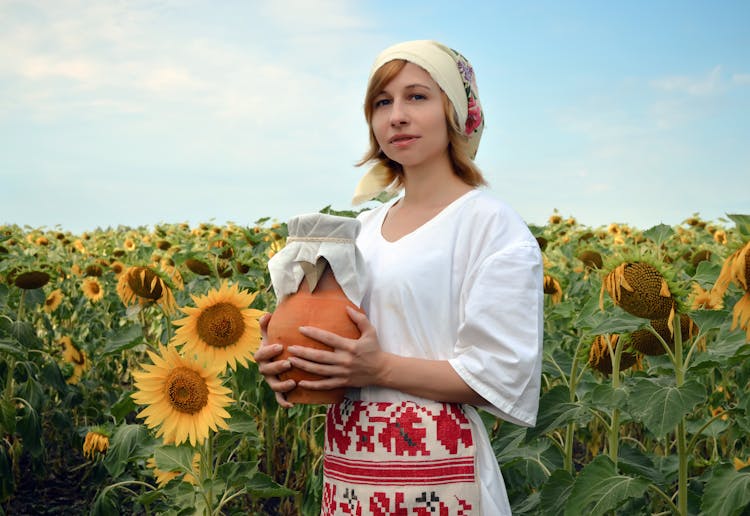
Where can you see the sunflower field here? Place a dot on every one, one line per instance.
(127, 381)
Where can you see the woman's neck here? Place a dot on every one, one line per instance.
(431, 187)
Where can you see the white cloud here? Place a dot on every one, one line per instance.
(708, 84)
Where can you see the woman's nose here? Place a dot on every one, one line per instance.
(398, 114)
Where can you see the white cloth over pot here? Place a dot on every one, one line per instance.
(314, 236)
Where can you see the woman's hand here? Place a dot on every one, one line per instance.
(352, 363)
(271, 368)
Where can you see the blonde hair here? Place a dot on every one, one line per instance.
(458, 144)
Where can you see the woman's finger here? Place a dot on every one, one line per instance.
(267, 352)
(282, 401)
(326, 337)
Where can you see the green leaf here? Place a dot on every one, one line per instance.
(174, 458)
(52, 376)
(599, 489)
(617, 320)
(123, 406)
(555, 411)
(708, 320)
(556, 491)
(632, 461)
(236, 473)
(123, 338)
(706, 273)
(603, 396)
(263, 486)
(241, 423)
(742, 221)
(105, 503)
(124, 442)
(12, 348)
(727, 492)
(662, 405)
(659, 233)
(29, 427)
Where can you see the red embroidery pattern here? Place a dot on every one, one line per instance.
(399, 459)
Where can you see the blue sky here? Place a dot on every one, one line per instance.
(144, 112)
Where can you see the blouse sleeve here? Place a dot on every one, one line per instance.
(498, 352)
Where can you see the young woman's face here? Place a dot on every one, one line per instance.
(408, 119)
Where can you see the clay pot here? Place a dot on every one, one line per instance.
(324, 308)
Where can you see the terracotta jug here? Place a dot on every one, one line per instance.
(324, 307)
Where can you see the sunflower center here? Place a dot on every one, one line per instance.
(94, 288)
(221, 325)
(187, 390)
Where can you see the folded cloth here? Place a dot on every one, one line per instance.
(316, 240)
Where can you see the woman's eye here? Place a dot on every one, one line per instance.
(382, 102)
(418, 96)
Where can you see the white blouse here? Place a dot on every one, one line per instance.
(466, 287)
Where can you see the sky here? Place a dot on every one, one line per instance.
(146, 112)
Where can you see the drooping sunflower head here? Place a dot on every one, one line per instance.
(53, 301)
(184, 397)
(145, 285)
(95, 443)
(602, 350)
(117, 268)
(92, 289)
(222, 328)
(647, 343)
(642, 288)
(75, 356)
(30, 280)
(591, 259)
(736, 269)
(198, 267)
(93, 270)
(552, 287)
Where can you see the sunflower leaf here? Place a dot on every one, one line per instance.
(742, 221)
(556, 491)
(123, 338)
(727, 492)
(11, 347)
(599, 489)
(174, 458)
(659, 233)
(263, 486)
(124, 442)
(555, 411)
(661, 406)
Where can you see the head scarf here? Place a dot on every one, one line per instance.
(455, 76)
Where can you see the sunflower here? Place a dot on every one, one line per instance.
(92, 289)
(552, 287)
(183, 397)
(736, 269)
(75, 356)
(600, 357)
(118, 268)
(144, 285)
(129, 244)
(96, 441)
(53, 301)
(164, 477)
(639, 289)
(740, 464)
(701, 299)
(221, 328)
(31, 280)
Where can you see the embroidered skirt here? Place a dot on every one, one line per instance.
(400, 458)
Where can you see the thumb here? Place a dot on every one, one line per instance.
(360, 319)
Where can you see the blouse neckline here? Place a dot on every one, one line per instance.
(430, 222)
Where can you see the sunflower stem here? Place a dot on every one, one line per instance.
(682, 450)
(572, 383)
(21, 302)
(614, 429)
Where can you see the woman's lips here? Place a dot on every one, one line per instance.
(403, 140)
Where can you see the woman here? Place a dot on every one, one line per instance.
(454, 308)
